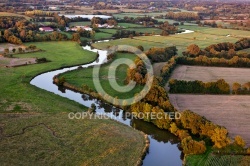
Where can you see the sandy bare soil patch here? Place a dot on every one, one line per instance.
(208, 74)
(10, 47)
(230, 111)
(12, 62)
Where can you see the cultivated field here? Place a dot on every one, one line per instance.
(208, 74)
(13, 14)
(10, 62)
(231, 111)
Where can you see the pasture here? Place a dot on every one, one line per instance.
(86, 76)
(34, 123)
(181, 41)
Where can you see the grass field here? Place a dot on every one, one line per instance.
(13, 14)
(57, 140)
(203, 38)
(230, 111)
(34, 125)
(86, 76)
(129, 25)
(140, 14)
(83, 23)
(111, 31)
(98, 35)
(210, 159)
(211, 74)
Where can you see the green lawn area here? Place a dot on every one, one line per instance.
(83, 23)
(35, 126)
(203, 37)
(129, 25)
(86, 77)
(132, 42)
(111, 31)
(101, 35)
(155, 31)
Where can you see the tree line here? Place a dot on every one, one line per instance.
(241, 89)
(221, 50)
(182, 16)
(182, 86)
(219, 62)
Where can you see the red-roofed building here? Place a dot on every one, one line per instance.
(46, 29)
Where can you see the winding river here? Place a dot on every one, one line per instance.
(163, 150)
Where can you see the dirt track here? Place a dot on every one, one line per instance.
(231, 111)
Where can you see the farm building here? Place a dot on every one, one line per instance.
(46, 29)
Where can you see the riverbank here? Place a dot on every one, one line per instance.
(34, 124)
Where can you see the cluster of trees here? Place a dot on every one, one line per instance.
(125, 34)
(98, 20)
(198, 125)
(39, 13)
(241, 89)
(220, 62)
(161, 54)
(138, 20)
(168, 29)
(19, 30)
(103, 6)
(137, 74)
(182, 16)
(62, 21)
(182, 86)
(221, 50)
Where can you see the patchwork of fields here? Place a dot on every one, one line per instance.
(230, 111)
(203, 37)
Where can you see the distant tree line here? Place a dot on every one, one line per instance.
(182, 86)
(182, 16)
(221, 50)
(219, 62)
(139, 20)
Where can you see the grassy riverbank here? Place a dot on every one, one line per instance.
(34, 124)
(82, 77)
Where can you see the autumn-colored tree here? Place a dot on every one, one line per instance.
(76, 37)
(236, 87)
(191, 146)
(193, 50)
(238, 140)
(140, 48)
